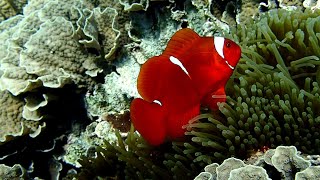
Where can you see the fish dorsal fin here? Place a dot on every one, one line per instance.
(180, 42)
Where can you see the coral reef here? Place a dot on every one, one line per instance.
(313, 5)
(283, 162)
(31, 59)
(62, 114)
(46, 45)
(50, 45)
(54, 45)
(151, 33)
(273, 99)
(100, 29)
(273, 95)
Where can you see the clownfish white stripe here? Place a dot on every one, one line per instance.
(231, 67)
(177, 62)
(218, 45)
(157, 102)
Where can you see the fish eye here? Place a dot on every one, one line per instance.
(228, 44)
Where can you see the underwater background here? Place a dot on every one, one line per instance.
(68, 72)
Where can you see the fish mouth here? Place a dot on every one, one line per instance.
(230, 66)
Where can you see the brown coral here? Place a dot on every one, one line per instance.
(17, 119)
(9, 8)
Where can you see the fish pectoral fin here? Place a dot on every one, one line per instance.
(176, 121)
(211, 99)
(148, 118)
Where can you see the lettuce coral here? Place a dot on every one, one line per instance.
(283, 161)
(19, 117)
(14, 172)
(312, 172)
(134, 5)
(48, 45)
(10, 8)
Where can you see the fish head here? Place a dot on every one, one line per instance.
(228, 50)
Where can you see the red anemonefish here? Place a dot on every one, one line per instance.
(192, 70)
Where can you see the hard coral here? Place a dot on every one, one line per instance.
(56, 59)
(134, 5)
(10, 8)
(105, 30)
(285, 161)
(18, 118)
(14, 172)
(56, 30)
(276, 95)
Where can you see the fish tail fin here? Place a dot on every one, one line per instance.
(178, 119)
(149, 119)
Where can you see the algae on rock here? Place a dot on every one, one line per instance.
(114, 95)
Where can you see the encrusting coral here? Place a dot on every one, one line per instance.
(273, 99)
